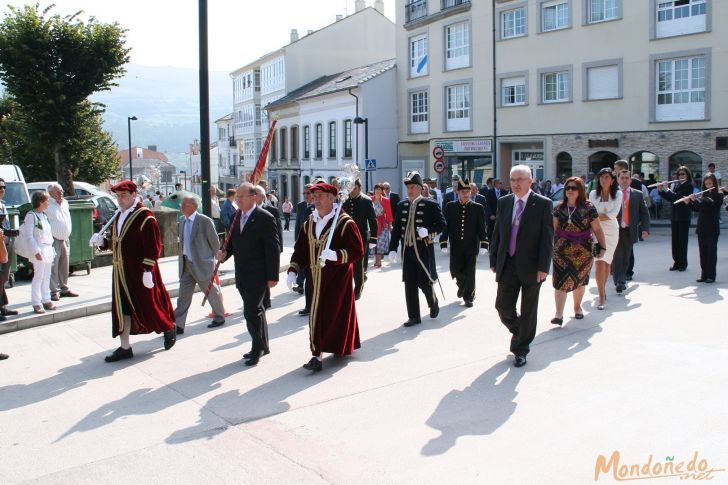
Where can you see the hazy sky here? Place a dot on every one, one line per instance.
(164, 32)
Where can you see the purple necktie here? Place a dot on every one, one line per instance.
(514, 228)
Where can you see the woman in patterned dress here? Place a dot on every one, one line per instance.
(383, 211)
(575, 220)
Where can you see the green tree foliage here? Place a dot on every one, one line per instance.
(50, 66)
(91, 152)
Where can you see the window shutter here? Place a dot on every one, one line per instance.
(603, 82)
(513, 81)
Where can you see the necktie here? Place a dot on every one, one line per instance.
(625, 208)
(188, 230)
(514, 228)
(243, 220)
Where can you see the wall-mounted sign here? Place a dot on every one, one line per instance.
(610, 143)
(465, 146)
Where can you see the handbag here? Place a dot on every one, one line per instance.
(23, 245)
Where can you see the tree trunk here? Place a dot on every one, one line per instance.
(63, 172)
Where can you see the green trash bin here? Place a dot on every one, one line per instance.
(83, 228)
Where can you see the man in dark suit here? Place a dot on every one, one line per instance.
(487, 187)
(198, 243)
(451, 195)
(393, 197)
(633, 218)
(520, 257)
(477, 198)
(361, 209)
(303, 210)
(254, 243)
(491, 204)
(416, 222)
(465, 231)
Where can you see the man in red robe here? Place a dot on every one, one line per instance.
(139, 301)
(333, 325)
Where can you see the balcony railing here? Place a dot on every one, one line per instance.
(231, 141)
(445, 4)
(415, 10)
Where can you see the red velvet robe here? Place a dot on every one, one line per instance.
(333, 326)
(136, 249)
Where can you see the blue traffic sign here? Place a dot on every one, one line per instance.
(370, 164)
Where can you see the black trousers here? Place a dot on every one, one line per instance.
(4, 277)
(254, 313)
(462, 268)
(622, 254)
(708, 245)
(360, 271)
(523, 326)
(286, 221)
(680, 233)
(490, 225)
(415, 279)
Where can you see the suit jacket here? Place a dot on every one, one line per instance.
(535, 241)
(447, 198)
(479, 199)
(256, 250)
(394, 200)
(491, 200)
(277, 216)
(204, 245)
(303, 210)
(638, 214)
(708, 208)
(680, 212)
(361, 210)
(465, 228)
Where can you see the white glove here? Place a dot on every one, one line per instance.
(147, 280)
(328, 254)
(483, 251)
(392, 256)
(291, 279)
(422, 232)
(372, 245)
(444, 250)
(96, 240)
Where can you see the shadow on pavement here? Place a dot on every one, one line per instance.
(488, 403)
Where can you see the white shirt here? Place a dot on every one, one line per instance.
(214, 208)
(245, 216)
(322, 221)
(609, 208)
(186, 249)
(59, 216)
(123, 216)
(515, 204)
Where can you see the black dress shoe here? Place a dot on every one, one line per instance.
(621, 287)
(215, 324)
(251, 353)
(700, 280)
(710, 280)
(4, 356)
(460, 292)
(629, 277)
(119, 354)
(468, 303)
(682, 269)
(298, 289)
(180, 330)
(557, 321)
(305, 311)
(314, 365)
(435, 310)
(412, 321)
(170, 337)
(5, 311)
(673, 268)
(520, 361)
(253, 359)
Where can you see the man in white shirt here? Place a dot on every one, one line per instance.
(59, 216)
(215, 209)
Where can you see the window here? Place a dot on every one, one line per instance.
(418, 56)
(332, 139)
(513, 23)
(457, 45)
(680, 17)
(555, 15)
(284, 143)
(347, 138)
(681, 89)
(555, 87)
(306, 142)
(601, 10)
(513, 91)
(457, 100)
(419, 117)
(273, 147)
(319, 140)
(294, 143)
(602, 82)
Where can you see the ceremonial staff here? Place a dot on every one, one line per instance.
(345, 185)
(253, 179)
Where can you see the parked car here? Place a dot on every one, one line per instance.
(16, 191)
(81, 188)
(104, 208)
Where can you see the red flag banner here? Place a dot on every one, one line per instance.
(257, 174)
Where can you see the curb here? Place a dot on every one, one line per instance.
(89, 309)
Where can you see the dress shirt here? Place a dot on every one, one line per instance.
(214, 208)
(322, 221)
(244, 218)
(123, 216)
(59, 216)
(187, 247)
(515, 201)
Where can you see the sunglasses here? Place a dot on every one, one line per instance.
(681, 173)
(2, 187)
(571, 187)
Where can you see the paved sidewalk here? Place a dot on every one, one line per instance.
(95, 292)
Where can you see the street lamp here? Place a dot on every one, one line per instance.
(358, 121)
(185, 178)
(129, 119)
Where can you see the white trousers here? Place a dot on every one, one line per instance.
(40, 291)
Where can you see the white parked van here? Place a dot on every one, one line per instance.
(16, 191)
